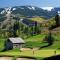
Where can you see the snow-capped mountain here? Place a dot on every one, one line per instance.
(31, 7)
(8, 15)
(47, 8)
(30, 11)
(7, 10)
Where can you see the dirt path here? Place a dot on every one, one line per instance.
(24, 59)
(5, 58)
(10, 58)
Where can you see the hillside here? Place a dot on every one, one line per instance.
(30, 11)
(25, 12)
(38, 42)
(38, 19)
(26, 16)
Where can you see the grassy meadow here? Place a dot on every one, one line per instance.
(34, 42)
(38, 19)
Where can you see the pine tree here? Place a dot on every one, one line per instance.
(15, 28)
(57, 20)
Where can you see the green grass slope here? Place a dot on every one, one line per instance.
(35, 41)
(56, 44)
(2, 40)
(38, 19)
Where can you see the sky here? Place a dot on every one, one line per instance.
(39, 3)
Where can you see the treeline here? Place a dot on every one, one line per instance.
(21, 29)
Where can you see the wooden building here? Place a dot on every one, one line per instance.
(14, 43)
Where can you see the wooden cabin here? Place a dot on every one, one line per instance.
(14, 43)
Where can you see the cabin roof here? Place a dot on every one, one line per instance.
(16, 40)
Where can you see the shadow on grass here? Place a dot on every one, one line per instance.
(49, 39)
(57, 57)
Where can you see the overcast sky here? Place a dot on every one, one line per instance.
(38, 3)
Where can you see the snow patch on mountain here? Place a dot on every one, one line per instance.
(47, 8)
(31, 8)
(2, 12)
(14, 9)
(8, 9)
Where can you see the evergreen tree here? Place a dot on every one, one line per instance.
(15, 28)
(57, 20)
(35, 28)
(49, 38)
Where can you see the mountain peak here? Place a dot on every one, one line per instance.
(31, 11)
(47, 8)
(31, 7)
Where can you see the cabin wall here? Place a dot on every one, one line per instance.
(8, 45)
(17, 45)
